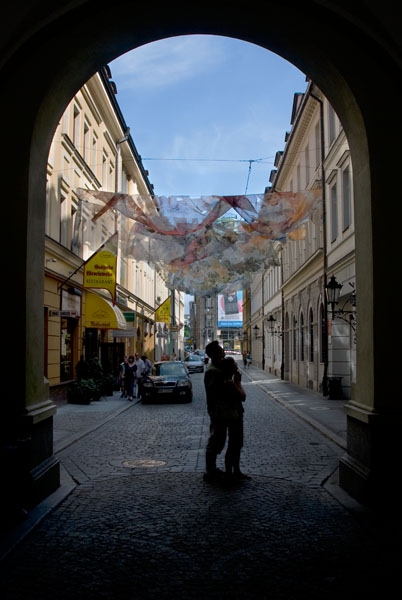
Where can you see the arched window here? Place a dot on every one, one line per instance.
(294, 338)
(311, 335)
(301, 337)
(323, 345)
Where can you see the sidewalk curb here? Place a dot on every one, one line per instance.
(66, 442)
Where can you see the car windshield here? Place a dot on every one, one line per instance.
(193, 358)
(169, 369)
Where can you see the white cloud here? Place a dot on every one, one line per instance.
(167, 62)
(208, 98)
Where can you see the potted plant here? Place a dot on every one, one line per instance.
(82, 391)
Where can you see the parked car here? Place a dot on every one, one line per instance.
(168, 381)
(203, 355)
(194, 363)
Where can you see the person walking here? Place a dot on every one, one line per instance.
(214, 387)
(249, 360)
(147, 365)
(232, 410)
(245, 359)
(122, 372)
(129, 378)
(139, 374)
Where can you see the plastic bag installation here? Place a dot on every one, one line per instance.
(207, 244)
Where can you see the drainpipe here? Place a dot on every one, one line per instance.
(263, 323)
(172, 320)
(325, 263)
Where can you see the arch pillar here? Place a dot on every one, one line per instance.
(38, 82)
(370, 470)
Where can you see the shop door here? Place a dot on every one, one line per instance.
(112, 354)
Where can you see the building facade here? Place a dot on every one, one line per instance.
(295, 333)
(92, 149)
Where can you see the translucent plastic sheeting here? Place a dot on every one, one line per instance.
(208, 244)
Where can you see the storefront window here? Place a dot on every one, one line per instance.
(66, 350)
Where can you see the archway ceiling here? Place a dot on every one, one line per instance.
(208, 244)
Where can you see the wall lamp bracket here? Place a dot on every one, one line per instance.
(256, 330)
(272, 329)
(333, 290)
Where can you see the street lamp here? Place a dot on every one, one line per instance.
(333, 290)
(256, 329)
(271, 320)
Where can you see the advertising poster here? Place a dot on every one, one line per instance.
(230, 309)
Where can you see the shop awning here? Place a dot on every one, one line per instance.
(101, 314)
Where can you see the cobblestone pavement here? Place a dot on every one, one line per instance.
(138, 522)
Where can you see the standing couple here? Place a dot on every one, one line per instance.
(132, 372)
(225, 397)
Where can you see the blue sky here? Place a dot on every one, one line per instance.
(201, 107)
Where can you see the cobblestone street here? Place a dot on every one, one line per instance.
(140, 523)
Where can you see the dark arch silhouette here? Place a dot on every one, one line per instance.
(354, 56)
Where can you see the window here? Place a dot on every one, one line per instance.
(94, 159)
(76, 127)
(66, 349)
(294, 338)
(301, 337)
(64, 220)
(317, 137)
(346, 197)
(334, 212)
(87, 146)
(104, 170)
(311, 336)
(323, 348)
(331, 124)
(307, 164)
(76, 215)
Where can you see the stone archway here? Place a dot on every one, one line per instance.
(48, 56)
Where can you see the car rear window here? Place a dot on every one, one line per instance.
(176, 369)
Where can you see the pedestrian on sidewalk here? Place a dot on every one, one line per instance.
(122, 372)
(129, 377)
(231, 409)
(245, 359)
(139, 374)
(147, 365)
(146, 371)
(213, 383)
(249, 360)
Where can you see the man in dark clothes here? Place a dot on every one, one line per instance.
(213, 383)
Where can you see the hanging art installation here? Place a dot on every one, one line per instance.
(205, 245)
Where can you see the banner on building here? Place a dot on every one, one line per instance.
(100, 269)
(162, 313)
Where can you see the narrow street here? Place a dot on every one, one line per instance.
(139, 522)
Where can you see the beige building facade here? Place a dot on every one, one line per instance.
(92, 149)
(298, 337)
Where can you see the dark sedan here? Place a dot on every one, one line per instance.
(168, 381)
